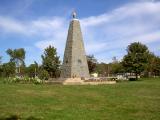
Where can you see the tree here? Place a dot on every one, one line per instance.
(116, 67)
(136, 59)
(153, 66)
(17, 56)
(32, 70)
(51, 62)
(9, 69)
(156, 66)
(103, 69)
(92, 62)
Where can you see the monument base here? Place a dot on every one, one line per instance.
(77, 81)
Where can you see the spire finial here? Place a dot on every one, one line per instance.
(74, 14)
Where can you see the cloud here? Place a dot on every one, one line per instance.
(11, 25)
(54, 23)
(42, 26)
(148, 38)
(95, 47)
(117, 29)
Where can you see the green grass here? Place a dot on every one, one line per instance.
(137, 100)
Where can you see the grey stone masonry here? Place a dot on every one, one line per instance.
(74, 60)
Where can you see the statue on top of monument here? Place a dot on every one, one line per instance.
(74, 14)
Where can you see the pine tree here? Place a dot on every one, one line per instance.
(51, 62)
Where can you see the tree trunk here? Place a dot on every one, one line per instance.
(136, 76)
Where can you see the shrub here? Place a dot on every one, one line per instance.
(37, 80)
(12, 80)
(43, 74)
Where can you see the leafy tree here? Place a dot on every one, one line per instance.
(153, 66)
(17, 56)
(51, 62)
(156, 66)
(148, 72)
(9, 69)
(32, 70)
(103, 69)
(136, 59)
(117, 67)
(92, 62)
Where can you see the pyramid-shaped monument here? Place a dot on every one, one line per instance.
(74, 61)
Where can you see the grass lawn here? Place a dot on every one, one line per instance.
(137, 100)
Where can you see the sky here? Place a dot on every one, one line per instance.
(108, 26)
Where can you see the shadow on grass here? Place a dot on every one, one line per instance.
(17, 117)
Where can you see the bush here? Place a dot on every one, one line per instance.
(43, 75)
(11, 80)
(35, 80)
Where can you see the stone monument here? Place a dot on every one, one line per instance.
(74, 60)
(74, 70)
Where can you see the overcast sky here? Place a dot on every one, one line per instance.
(108, 26)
